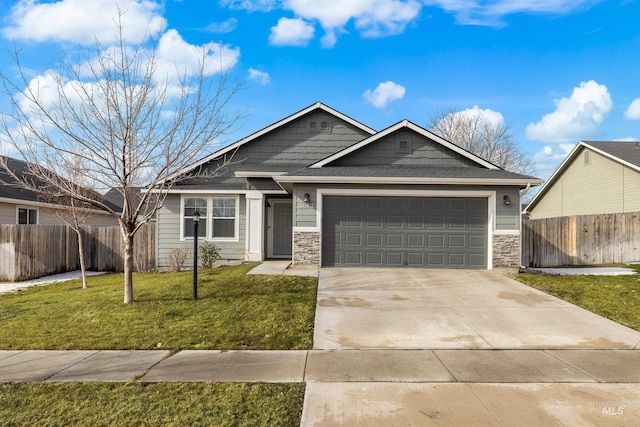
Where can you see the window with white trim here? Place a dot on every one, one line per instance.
(218, 217)
(223, 216)
(192, 204)
(27, 216)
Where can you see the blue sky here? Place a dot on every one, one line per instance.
(557, 71)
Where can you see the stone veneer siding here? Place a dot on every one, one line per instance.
(506, 250)
(306, 247)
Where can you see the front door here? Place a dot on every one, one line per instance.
(280, 224)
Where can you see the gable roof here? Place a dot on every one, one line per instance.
(11, 191)
(624, 152)
(230, 148)
(412, 126)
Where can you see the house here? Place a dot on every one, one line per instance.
(597, 177)
(319, 187)
(21, 206)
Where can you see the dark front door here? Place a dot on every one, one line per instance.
(281, 228)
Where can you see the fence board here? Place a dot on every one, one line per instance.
(32, 251)
(581, 240)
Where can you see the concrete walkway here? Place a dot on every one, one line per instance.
(394, 386)
(405, 366)
(47, 280)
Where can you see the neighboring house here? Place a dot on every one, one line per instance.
(596, 178)
(20, 206)
(116, 198)
(320, 188)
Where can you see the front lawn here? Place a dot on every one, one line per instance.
(233, 311)
(614, 297)
(164, 404)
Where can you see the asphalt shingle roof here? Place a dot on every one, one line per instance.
(628, 151)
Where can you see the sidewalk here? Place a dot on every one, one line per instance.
(407, 366)
(46, 280)
(384, 387)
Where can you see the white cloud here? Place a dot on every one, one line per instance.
(486, 115)
(83, 21)
(259, 76)
(223, 27)
(291, 32)
(251, 5)
(576, 117)
(482, 12)
(176, 55)
(385, 93)
(547, 160)
(379, 18)
(633, 111)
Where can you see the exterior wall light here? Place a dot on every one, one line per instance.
(306, 198)
(506, 200)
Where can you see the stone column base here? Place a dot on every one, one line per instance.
(306, 247)
(506, 250)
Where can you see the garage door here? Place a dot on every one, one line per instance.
(441, 232)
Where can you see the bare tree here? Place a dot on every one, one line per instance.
(485, 138)
(130, 125)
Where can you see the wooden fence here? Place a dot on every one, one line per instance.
(32, 251)
(581, 240)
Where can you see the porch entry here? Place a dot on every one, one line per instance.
(279, 228)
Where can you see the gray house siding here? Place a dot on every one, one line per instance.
(298, 143)
(506, 217)
(168, 229)
(304, 215)
(404, 148)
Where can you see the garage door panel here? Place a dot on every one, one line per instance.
(374, 258)
(353, 239)
(415, 240)
(374, 221)
(405, 231)
(394, 258)
(394, 240)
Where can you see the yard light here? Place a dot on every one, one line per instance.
(196, 220)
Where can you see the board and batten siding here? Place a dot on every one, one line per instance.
(601, 186)
(507, 218)
(168, 238)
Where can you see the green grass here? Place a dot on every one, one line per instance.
(614, 297)
(165, 404)
(234, 311)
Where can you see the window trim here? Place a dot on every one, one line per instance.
(28, 208)
(209, 218)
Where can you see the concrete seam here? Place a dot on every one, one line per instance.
(482, 403)
(72, 365)
(304, 369)
(571, 366)
(445, 366)
(146, 371)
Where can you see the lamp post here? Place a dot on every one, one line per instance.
(196, 219)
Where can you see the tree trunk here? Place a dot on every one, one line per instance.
(83, 269)
(128, 269)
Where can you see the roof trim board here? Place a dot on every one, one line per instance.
(409, 125)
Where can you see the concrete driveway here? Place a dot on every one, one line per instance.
(452, 309)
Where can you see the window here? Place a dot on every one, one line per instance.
(312, 125)
(218, 217)
(192, 204)
(324, 125)
(224, 217)
(27, 216)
